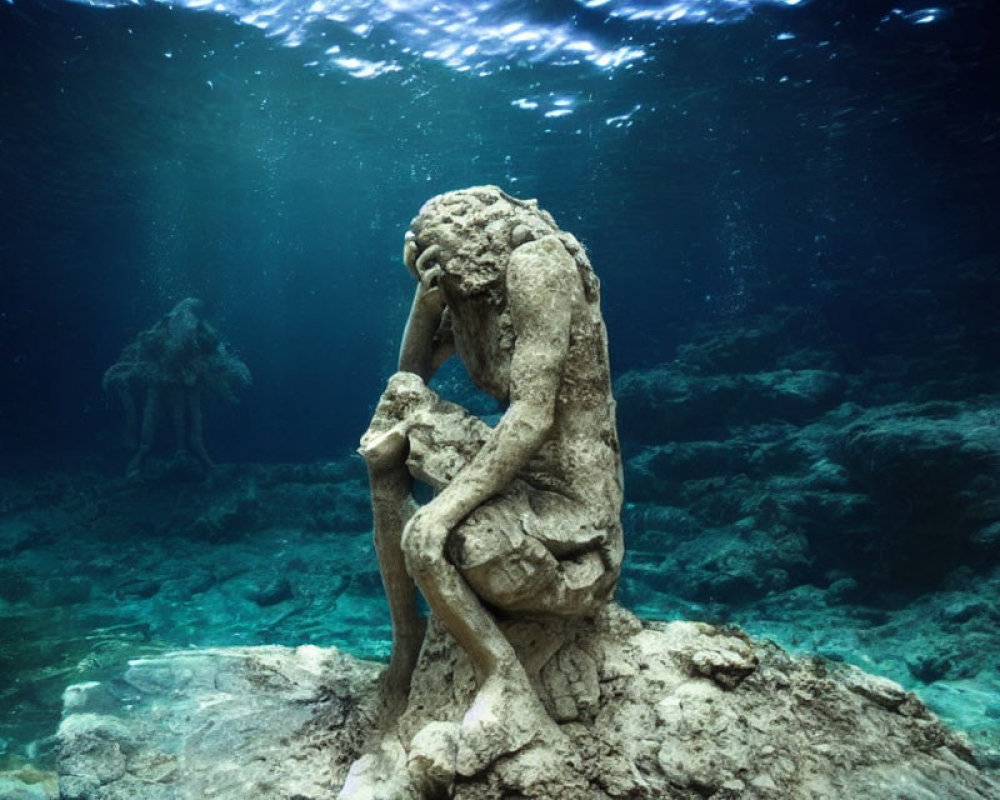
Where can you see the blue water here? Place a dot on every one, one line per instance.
(784, 185)
(744, 155)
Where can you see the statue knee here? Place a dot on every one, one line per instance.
(423, 553)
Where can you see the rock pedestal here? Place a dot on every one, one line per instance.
(678, 710)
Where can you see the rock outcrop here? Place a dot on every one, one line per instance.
(677, 710)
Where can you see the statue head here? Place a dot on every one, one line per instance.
(475, 230)
(182, 323)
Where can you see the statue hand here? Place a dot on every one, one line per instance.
(382, 449)
(422, 350)
(410, 252)
(424, 266)
(429, 299)
(425, 535)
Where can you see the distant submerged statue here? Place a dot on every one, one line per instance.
(171, 367)
(525, 521)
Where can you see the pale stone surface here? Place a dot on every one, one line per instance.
(683, 711)
(518, 553)
(264, 722)
(525, 519)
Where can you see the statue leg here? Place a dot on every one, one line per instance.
(405, 440)
(392, 507)
(506, 715)
(196, 434)
(385, 448)
(150, 418)
(127, 396)
(525, 551)
(174, 397)
(415, 435)
(537, 553)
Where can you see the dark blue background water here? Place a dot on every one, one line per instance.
(824, 153)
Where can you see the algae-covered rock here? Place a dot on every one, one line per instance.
(265, 722)
(933, 475)
(676, 403)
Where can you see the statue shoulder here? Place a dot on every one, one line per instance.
(540, 269)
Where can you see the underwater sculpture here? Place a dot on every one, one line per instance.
(170, 367)
(544, 688)
(525, 519)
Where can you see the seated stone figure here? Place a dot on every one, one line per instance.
(525, 516)
(169, 368)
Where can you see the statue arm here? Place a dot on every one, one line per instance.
(427, 339)
(541, 282)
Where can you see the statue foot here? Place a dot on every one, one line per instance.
(527, 749)
(380, 775)
(545, 770)
(431, 758)
(506, 717)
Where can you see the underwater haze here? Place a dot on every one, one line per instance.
(715, 159)
(792, 207)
